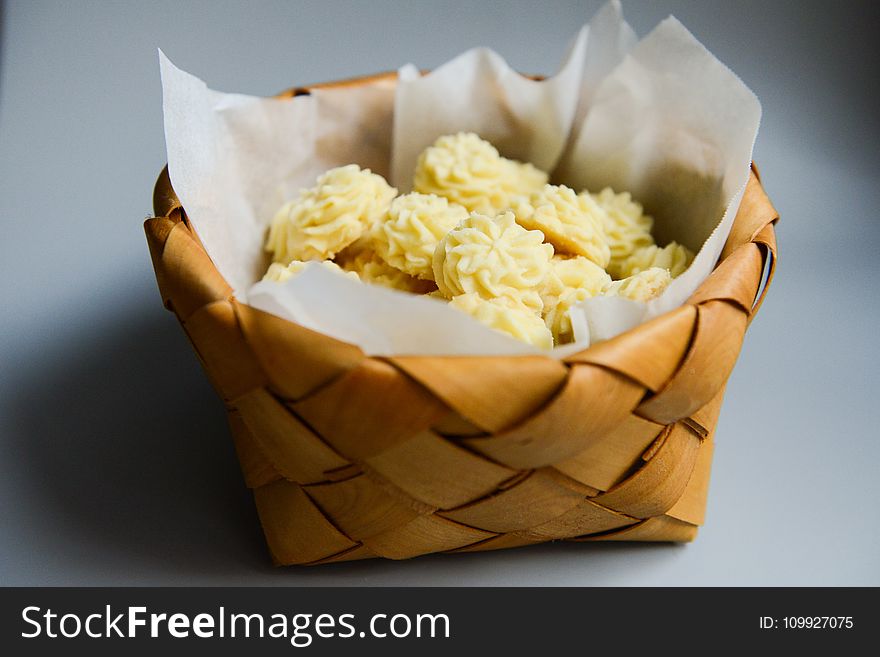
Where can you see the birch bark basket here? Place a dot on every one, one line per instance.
(351, 456)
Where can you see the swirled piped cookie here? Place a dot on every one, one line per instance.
(493, 257)
(370, 268)
(407, 237)
(674, 256)
(644, 286)
(572, 223)
(510, 318)
(627, 227)
(471, 172)
(279, 273)
(571, 279)
(326, 218)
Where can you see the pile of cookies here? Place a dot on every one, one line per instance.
(484, 233)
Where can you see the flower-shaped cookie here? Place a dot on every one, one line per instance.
(571, 279)
(573, 223)
(367, 264)
(643, 286)
(326, 218)
(469, 171)
(523, 178)
(575, 272)
(556, 313)
(501, 315)
(627, 227)
(674, 256)
(415, 224)
(280, 273)
(493, 257)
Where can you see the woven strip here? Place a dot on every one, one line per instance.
(352, 457)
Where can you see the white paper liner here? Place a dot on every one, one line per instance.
(662, 119)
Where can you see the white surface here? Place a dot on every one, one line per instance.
(115, 463)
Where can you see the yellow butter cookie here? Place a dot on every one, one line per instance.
(556, 313)
(643, 286)
(326, 218)
(493, 257)
(627, 227)
(674, 256)
(469, 171)
(367, 264)
(572, 223)
(415, 224)
(280, 273)
(571, 279)
(512, 319)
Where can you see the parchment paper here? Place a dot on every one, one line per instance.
(661, 118)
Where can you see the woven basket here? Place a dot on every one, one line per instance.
(352, 457)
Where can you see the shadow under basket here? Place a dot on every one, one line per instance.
(352, 457)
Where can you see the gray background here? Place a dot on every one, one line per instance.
(115, 462)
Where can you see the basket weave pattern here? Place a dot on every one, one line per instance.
(352, 457)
